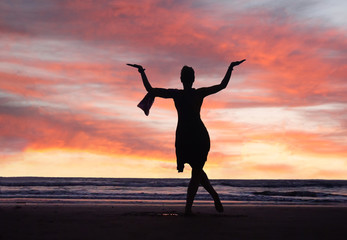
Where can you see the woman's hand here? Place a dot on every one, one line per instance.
(139, 67)
(233, 64)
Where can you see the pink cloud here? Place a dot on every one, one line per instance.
(290, 63)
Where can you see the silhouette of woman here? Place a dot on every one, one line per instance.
(192, 139)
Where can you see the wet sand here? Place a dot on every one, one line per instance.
(122, 221)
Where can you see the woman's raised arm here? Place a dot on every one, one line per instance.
(143, 76)
(156, 92)
(216, 88)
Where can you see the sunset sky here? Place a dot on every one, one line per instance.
(68, 99)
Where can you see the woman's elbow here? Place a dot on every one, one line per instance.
(149, 89)
(222, 86)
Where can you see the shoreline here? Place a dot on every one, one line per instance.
(151, 202)
(136, 221)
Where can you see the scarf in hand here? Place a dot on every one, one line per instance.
(146, 103)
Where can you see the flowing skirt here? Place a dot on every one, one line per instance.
(192, 146)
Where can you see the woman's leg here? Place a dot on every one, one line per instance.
(192, 189)
(205, 182)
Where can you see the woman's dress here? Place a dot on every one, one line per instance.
(192, 139)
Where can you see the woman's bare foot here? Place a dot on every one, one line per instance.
(188, 212)
(218, 205)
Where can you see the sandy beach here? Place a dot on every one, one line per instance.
(132, 221)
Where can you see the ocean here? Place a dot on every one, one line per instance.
(144, 190)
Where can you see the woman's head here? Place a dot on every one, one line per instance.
(187, 76)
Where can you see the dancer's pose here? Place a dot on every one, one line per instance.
(192, 139)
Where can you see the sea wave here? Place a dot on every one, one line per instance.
(58, 182)
(249, 191)
(283, 183)
(297, 194)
